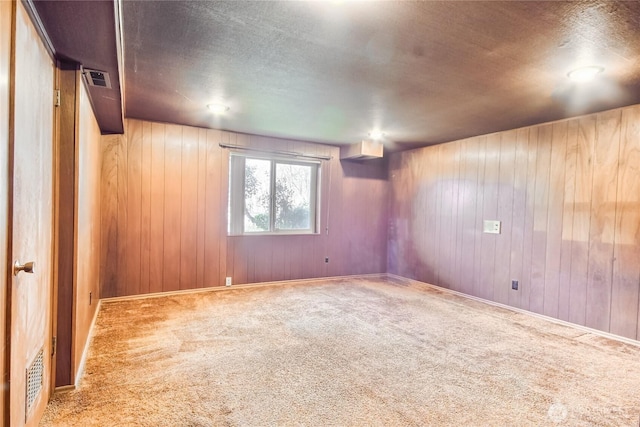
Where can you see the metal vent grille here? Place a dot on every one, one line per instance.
(35, 373)
(97, 78)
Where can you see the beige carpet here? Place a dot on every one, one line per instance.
(338, 352)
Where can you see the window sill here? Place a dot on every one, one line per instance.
(280, 233)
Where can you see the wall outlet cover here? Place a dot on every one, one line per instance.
(227, 281)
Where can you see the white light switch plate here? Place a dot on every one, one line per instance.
(491, 226)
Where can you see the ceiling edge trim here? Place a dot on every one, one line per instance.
(42, 32)
(120, 53)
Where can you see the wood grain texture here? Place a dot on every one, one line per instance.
(569, 191)
(625, 291)
(603, 215)
(66, 219)
(478, 283)
(527, 254)
(186, 241)
(564, 292)
(582, 219)
(31, 121)
(6, 17)
(87, 287)
(540, 220)
(502, 279)
(516, 268)
(555, 219)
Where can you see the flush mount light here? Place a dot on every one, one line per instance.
(376, 134)
(218, 108)
(585, 74)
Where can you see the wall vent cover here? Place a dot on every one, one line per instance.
(97, 78)
(35, 372)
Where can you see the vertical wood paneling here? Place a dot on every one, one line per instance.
(478, 282)
(581, 219)
(133, 208)
(490, 212)
(527, 254)
(172, 207)
(570, 191)
(540, 220)
(446, 261)
(603, 215)
(122, 264)
(508, 144)
(87, 289)
(222, 159)
(564, 291)
(201, 207)
(555, 219)
(461, 208)
(213, 217)
(172, 193)
(469, 175)
(145, 209)
(156, 219)
(626, 268)
(521, 163)
(189, 209)
(109, 216)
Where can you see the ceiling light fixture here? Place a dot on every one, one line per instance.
(585, 74)
(218, 108)
(376, 134)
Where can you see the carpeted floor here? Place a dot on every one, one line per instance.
(344, 353)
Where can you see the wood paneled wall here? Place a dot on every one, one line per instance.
(164, 214)
(87, 249)
(67, 82)
(568, 196)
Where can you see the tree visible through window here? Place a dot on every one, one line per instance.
(271, 196)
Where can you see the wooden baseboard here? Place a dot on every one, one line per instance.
(85, 350)
(64, 388)
(243, 286)
(520, 310)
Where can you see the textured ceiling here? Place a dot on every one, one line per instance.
(423, 72)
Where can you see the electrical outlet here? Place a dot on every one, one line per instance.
(227, 281)
(514, 285)
(326, 259)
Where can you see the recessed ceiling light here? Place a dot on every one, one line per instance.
(218, 108)
(585, 74)
(376, 134)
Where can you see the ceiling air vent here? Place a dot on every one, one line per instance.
(97, 78)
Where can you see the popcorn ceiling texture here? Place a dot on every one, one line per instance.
(361, 351)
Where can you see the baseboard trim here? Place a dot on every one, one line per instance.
(85, 350)
(64, 388)
(586, 329)
(234, 287)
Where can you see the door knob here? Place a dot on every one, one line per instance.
(27, 267)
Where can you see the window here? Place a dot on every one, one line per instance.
(268, 195)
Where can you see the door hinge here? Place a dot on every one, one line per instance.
(56, 97)
(54, 343)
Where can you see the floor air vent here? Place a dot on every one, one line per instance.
(35, 373)
(97, 78)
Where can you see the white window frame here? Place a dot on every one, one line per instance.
(236, 198)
